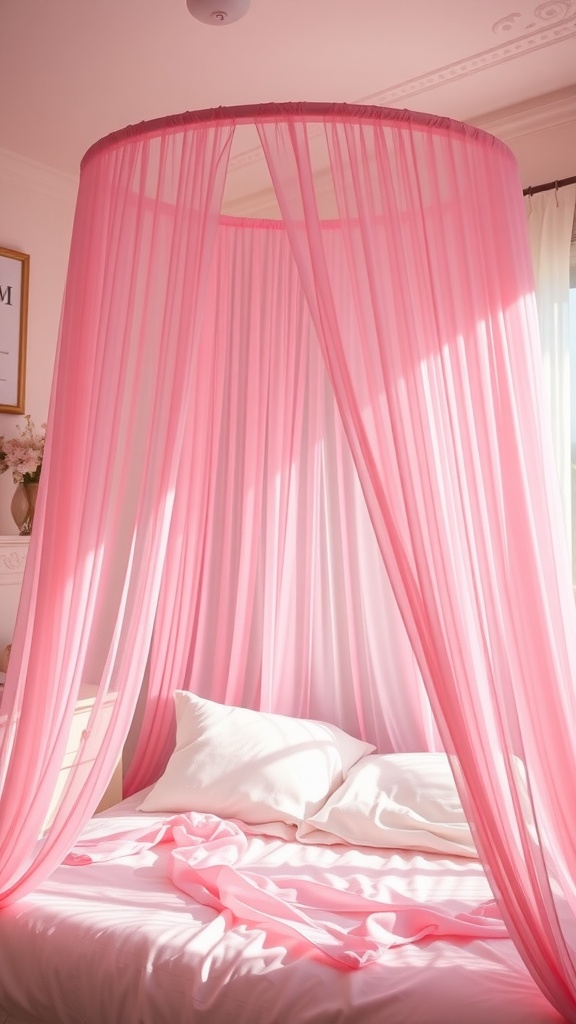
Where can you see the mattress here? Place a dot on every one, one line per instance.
(116, 941)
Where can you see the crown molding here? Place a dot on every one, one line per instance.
(552, 111)
(551, 22)
(18, 170)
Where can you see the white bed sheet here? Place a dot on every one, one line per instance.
(117, 943)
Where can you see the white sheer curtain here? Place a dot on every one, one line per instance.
(550, 224)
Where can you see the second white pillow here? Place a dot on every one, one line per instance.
(404, 801)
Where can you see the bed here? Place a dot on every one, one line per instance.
(161, 914)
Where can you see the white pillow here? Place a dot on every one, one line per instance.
(252, 765)
(404, 801)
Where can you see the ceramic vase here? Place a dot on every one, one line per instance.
(22, 507)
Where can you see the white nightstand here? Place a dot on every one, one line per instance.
(80, 722)
(13, 553)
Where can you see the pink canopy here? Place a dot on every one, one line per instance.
(300, 465)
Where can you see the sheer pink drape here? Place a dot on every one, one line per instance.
(143, 235)
(435, 373)
(248, 423)
(274, 593)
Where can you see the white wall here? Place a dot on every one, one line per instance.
(36, 214)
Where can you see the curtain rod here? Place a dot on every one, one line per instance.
(532, 189)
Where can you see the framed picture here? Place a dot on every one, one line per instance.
(14, 272)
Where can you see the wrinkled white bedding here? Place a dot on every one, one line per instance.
(116, 942)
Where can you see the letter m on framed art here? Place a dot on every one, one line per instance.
(14, 271)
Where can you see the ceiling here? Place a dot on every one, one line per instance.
(71, 71)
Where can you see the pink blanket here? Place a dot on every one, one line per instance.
(326, 908)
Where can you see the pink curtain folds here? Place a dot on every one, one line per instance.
(240, 439)
(274, 593)
(142, 242)
(433, 355)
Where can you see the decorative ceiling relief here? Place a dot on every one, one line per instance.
(508, 23)
(551, 11)
(549, 23)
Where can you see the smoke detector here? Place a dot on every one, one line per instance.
(218, 12)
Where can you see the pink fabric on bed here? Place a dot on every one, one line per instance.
(331, 913)
(117, 942)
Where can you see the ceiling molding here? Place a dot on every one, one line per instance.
(18, 170)
(557, 22)
(553, 111)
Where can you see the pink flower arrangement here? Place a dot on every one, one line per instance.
(23, 454)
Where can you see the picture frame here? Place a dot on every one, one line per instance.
(14, 279)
